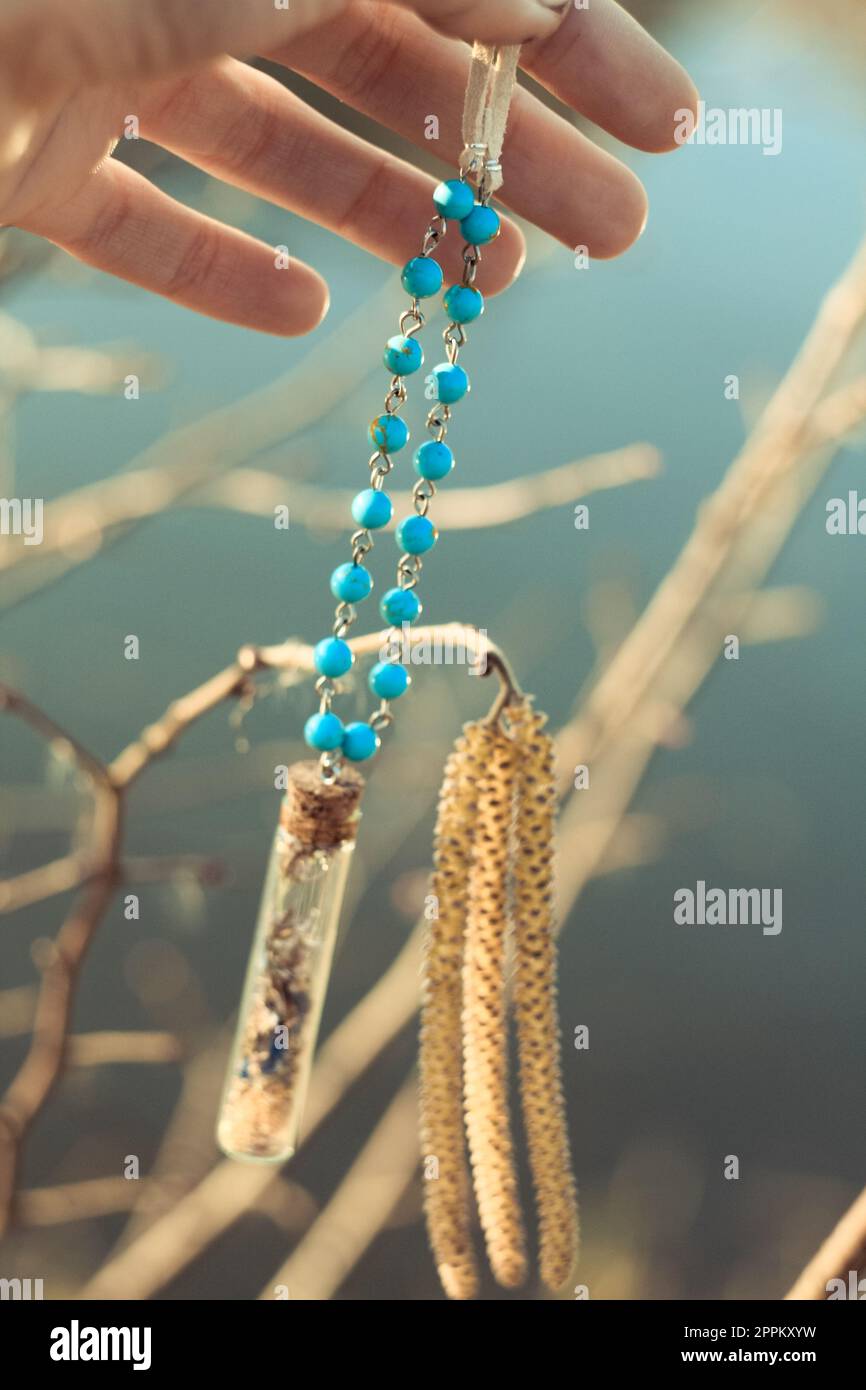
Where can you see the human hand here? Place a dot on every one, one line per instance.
(71, 74)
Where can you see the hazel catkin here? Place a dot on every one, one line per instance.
(446, 1188)
(485, 1027)
(535, 1004)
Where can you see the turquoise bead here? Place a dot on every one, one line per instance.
(433, 461)
(454, 199)
(388, 680)
(481, 226)
(463, 304)
(402, 355)
(416, 534)
(400, 606)
(389, 433)
(422, 277)
(372, 509)
(360, 742)
(451, 382)
(332, 657)
(351, 583)
(324, 731)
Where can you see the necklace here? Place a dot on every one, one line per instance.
(492, 888)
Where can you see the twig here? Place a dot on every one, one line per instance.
(149, 1261)
(359, 1208)
(44, 1062)
(195, 452)
(111, 781)
(102, 1049)
(80, 1201)
(250, 490)
(101, 855)
(842, 1255)
(73, 870)
(17, 1009)
(619, 751)
(14, 703)
(81, 521)
(794, 421)
(289, 1206)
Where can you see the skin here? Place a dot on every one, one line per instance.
(71, 73)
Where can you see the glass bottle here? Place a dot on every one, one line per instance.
(290, 963)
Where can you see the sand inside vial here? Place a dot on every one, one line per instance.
(262, 1094)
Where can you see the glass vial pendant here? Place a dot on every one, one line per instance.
(290, 963)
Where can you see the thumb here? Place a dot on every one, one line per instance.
(491, 21)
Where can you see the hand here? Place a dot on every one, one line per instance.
(72, 73)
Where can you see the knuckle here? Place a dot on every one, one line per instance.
(107, 228)
(164, 33)
(253, 139)
(178, 102)
(367, 198)
(197, 264)
(364, 62)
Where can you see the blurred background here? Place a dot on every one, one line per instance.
(703, 1043)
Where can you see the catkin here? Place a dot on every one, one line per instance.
(485, 1036)
(446, 1190)
(535, 1000)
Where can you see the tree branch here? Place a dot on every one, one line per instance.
(842, 1254)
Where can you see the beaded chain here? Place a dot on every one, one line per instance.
(351, 583)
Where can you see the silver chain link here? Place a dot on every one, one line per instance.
(409, 567)
(411, 322)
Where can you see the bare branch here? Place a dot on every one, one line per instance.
(843, 1254)
(359, 1208)
(81, 521)
(14, 703)
(197, 452)
(43, 1064)
(101, 1049)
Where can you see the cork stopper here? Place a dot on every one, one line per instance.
(320, 815)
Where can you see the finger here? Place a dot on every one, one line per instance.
(491, 21)
(242, 126)
(55, 46)
(554, 176)
(120, 223)
(605, 65)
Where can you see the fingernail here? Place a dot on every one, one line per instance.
(548, 8)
